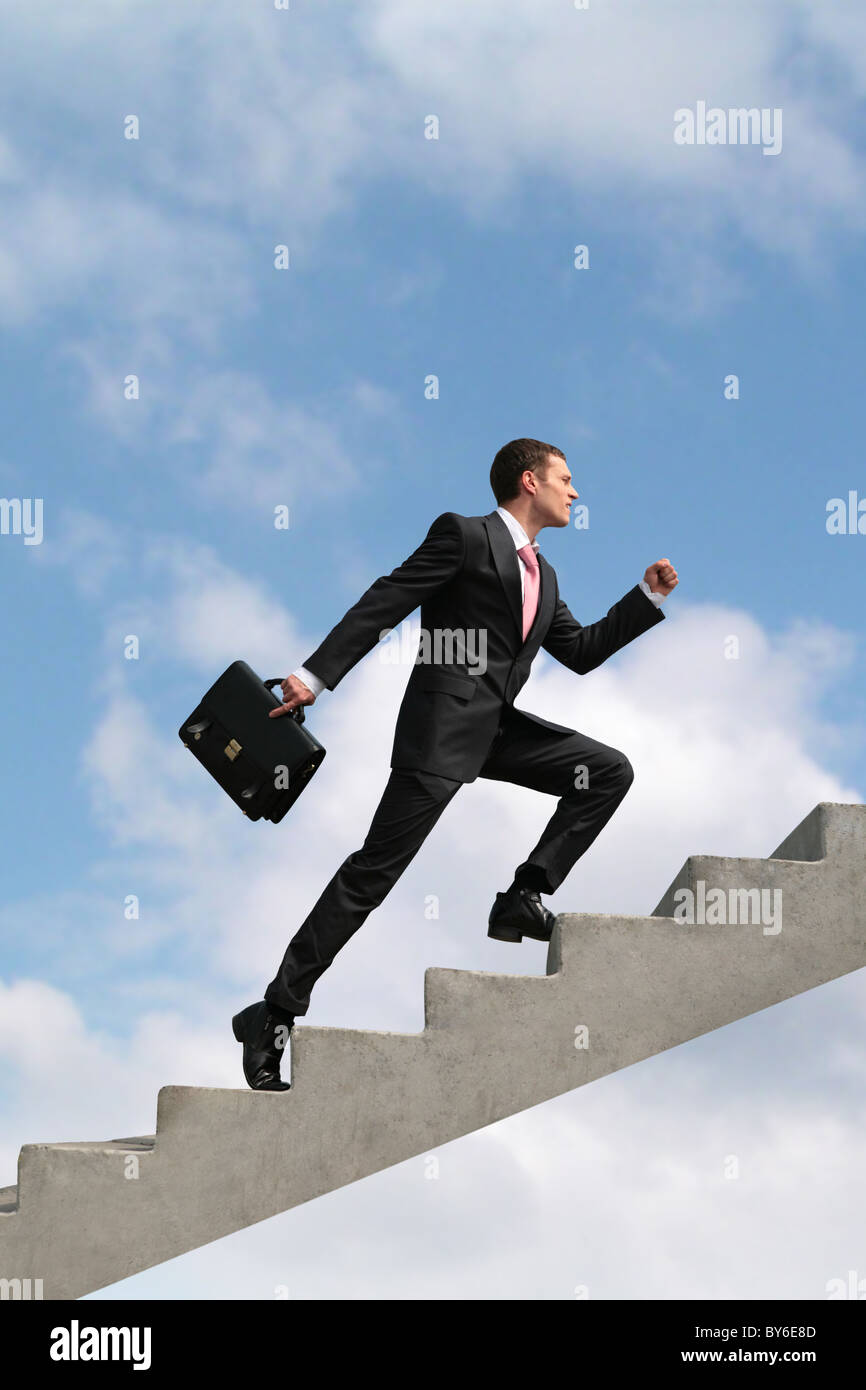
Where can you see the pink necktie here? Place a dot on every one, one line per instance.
(531, 580)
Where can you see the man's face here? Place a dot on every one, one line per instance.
(554, 493)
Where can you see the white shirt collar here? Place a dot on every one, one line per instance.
(518, 534)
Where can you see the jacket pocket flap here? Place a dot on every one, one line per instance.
(450, 682)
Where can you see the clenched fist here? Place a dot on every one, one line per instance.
(294, 693)
(661, 577)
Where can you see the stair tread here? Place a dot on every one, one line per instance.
(138, 1141)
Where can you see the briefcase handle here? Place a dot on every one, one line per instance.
(298, 711)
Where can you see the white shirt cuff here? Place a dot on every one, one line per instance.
(657, 599)
(315, 684)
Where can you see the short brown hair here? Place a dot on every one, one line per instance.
(513, 459)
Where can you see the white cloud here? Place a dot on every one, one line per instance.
(588, 98)
(259, 451)
(89, 549)
(67, 240)
(374, 400)
(315, 113)
(206, 608)
(67, 1081)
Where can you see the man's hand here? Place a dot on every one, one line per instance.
(661, 577)
(294, 693)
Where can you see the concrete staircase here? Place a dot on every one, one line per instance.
(617, 990)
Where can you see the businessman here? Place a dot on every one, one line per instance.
(480, 576)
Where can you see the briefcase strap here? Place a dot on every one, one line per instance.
(298, 711)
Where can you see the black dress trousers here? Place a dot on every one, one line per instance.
(411, 804)
(589, 779)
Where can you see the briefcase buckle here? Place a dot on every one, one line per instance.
(232, 749)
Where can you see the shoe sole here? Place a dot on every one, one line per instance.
(513, 934)
(505, 933)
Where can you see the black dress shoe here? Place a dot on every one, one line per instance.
(264, 1037)
(517, 913)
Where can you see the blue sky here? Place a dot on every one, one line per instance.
(305, 387)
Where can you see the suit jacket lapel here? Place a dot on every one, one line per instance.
(507, 566)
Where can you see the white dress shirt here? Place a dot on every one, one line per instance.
(520, 538)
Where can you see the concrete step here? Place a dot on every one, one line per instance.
(617, 989)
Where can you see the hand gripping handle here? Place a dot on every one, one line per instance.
(298, 711)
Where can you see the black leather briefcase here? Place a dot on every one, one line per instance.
(264, 764)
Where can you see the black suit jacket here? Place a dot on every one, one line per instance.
(465, 574)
